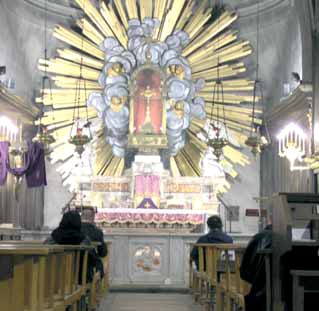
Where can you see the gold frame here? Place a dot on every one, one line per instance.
(147, 140)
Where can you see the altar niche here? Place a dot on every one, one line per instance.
(147, 129)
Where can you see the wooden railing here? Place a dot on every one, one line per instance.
(217, 284)
(36, 276)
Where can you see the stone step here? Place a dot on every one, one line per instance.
(148, 302)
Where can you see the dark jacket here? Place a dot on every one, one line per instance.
(253, 270)
(212, 237)
(96, 235)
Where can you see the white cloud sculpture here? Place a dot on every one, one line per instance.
(112, 104)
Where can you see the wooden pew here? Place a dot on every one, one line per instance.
(23, 284)
(42, 277)
(218, 281)
(67, 262)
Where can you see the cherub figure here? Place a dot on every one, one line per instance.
(115, 70)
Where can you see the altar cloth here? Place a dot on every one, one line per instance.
(149, 216)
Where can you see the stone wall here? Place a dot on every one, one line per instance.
(22, 44)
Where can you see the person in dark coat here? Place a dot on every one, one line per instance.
(253, 270)
(92, 231)
(69, 233)
(214, 236)
(96, 235)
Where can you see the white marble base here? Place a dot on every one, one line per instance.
(151, 259)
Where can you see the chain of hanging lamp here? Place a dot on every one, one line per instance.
(255, 141)
(44, 137)
(218, 140)
(77, 136)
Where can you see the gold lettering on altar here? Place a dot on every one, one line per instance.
(110, 187)
(183, 188)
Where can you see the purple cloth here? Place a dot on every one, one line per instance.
(34, 167)
(147, 203)
(4, 156)
(36, 174)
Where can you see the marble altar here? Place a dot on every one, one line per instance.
(147, 194)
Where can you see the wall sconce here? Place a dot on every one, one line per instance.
(292, 145)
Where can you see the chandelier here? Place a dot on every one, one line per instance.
(292, 144)
(44, 137)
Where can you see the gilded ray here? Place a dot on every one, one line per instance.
(186, 14)
(224, 71)
(65, 67)
(238, 85)
(121, 11)
(209, 48)
(78, 41)
(78, 57)
(231, 52)
(72, 83)
(229, 98)
(226, 19)
(112, 20)
(90, 31)
(92, 12)
(170, 18)
(159, 9)
(201, 16)
(146, 9)
(131, 9)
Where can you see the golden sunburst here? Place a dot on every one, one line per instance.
(214, 48)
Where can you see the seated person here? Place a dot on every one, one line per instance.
(92, 231)
(95, 234)
(253, 270)
(214, 236)
(69, 233)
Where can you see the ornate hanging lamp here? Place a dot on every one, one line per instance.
(214, 136)
(215, 139)
(254, 140)
(80, 133)
(44, 137)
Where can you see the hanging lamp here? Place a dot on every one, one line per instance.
(254, 140)
(80, 133)
(44, 137)
(213, 134)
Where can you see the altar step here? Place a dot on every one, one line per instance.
(148, 302)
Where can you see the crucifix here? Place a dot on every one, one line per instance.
(148, 94)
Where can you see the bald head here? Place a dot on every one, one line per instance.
(87, 215)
